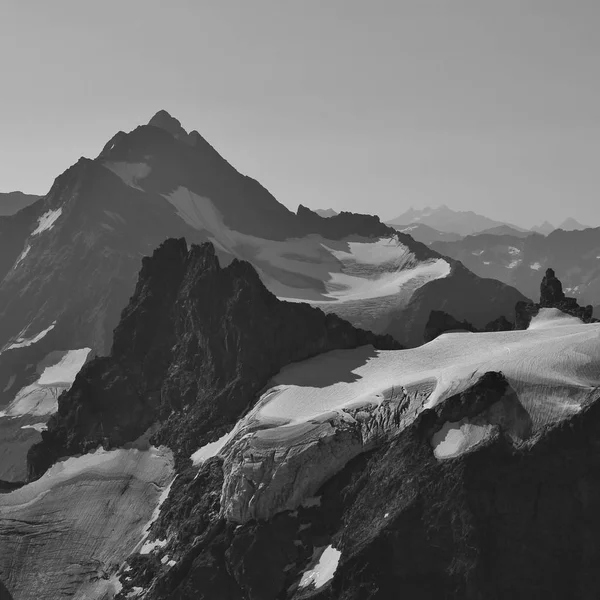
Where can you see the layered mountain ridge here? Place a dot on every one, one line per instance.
(519, 261)
(68, 263)
(308, 464)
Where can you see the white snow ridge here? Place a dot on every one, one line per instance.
(296, 436)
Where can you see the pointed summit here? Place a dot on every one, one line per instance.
(163, 120)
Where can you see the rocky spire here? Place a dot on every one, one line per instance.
(551, 292)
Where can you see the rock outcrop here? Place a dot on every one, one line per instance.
(440, 322)
(551, 296)
(192, 349)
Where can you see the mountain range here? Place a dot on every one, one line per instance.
(444, 220)
(204, 394)
(68, 262)
(447, 220)
(517, 261)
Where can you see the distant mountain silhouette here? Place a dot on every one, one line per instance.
(426, 234)
(545, 228)
(447, 220)
(12, 202)
(326, 212)
(518, 260)
(571, 224)
(506, 230)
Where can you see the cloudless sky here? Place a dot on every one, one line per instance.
(370, 106)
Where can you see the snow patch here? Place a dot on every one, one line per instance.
(22, 256)
(47, 220)
(147, 547)
(37, 426)
(323, 571)
(211, 449)
(535, 266)
(514, 251)
(454, 439)
(549, 318)
(478, 252)
(513, 264)
(58, 374)
(23, 342)
(151, 546)
(487, 262)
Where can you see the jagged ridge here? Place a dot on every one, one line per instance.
(194, 346)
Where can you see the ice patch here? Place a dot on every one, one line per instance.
(22, 342)
(453, 439)
(59, 372)
(37, 426)
(47, 220)
(129, 173)
(22, 256)
(63, 373)
(323, 571)
(151, 546)
(535, 266)
(211, 449)
(147, 547)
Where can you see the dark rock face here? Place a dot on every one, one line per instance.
(486, 301)
(551, 292)
(551, 296)
(342, 225)
(194, 346)
(407, 525)
(441, 322)
(499, 523)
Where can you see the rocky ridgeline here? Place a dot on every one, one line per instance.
(551, 296)
(194, 346)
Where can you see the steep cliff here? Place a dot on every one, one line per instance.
(193, 347)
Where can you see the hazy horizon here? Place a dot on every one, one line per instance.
(365, 107)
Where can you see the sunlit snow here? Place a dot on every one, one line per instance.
(211, 449)
(47, 220)
(57, 373)
(323, 571)
(551, 366)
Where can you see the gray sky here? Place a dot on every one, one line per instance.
(370, 105)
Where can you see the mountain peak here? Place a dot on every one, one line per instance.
(163, 120)
(571, 224)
